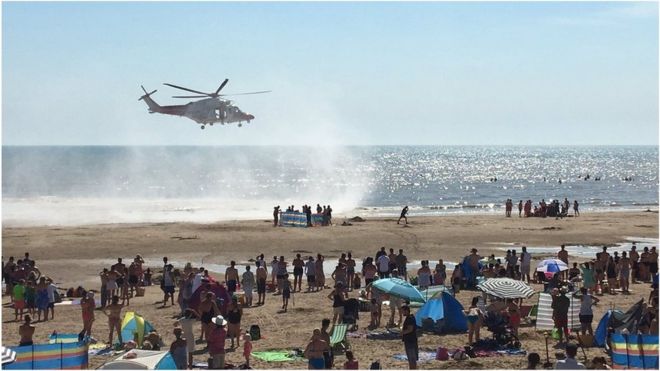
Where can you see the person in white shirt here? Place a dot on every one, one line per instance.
(50, 289)
(248, 283)
(570, 363)
(525, 261)
(383, 266)
(197, 281)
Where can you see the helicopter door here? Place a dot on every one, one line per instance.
(218, 114)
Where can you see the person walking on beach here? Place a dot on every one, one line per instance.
(404, 212)
(409, 337)
(576, 212)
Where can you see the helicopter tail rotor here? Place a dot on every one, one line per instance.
(145, 93)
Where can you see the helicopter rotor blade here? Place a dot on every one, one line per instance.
(221, 86)
(190, 96)
(254, 92)
(186, 89)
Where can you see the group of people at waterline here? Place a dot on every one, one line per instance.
(544, 209)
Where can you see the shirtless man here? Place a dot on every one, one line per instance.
(473, 262)
(315, 351)
(114, 318)
(134, 273)
(231, 276)
(624, 272)
(298, 268)
(563, 256)
(634, 259)
(262, 276)
(26, 331)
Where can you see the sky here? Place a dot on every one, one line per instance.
(549, 73)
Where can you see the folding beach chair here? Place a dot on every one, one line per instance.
(338, 340)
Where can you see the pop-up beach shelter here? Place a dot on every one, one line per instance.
(445, 311)
(220, 291)
(138, 359)
(618, 321)
(134, 326)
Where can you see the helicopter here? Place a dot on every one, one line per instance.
(207, 111)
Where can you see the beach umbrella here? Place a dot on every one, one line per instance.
(399, 288)
(551, 266)
(8, 355)
(506, 288)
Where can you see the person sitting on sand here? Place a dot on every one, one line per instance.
(179, 350)
(351, 363)
(315, 350)
(114, 318)
(26, 331)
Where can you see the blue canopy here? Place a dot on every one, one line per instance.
(445, 308)
(399, 288)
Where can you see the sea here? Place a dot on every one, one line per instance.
(78, 185)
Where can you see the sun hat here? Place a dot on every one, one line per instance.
(219, 320)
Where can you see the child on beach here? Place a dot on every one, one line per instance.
(247, 348)
(286, 292)
(351, 363)
(179, 350)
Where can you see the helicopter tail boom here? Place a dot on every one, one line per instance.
(153, 106)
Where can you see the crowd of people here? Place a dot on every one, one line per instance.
(219, 311)
(324, 214)
(555, 208)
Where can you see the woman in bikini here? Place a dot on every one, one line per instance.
(314, 351)
(114, 318)
(207, 310)
(88, 305)
(474, 319)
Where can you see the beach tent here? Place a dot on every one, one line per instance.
(635, 352)
(619, 321)
(134, 326)
(221, 295)
(143, 360)
(8, 355)
(445, 311)
(544, 313)
(50, 357)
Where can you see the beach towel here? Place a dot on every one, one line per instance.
(423, 356)
(275, 355)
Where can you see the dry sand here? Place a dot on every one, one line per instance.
(74, 255)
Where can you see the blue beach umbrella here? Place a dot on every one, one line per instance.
(551, 266)
(399, 288)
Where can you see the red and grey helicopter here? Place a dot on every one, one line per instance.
(206, 111)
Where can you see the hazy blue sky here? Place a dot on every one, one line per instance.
(341, 73)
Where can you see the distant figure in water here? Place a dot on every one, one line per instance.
(403, 215)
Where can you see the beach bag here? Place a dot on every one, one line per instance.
(586, 340)
(555, 333)
(442, 354)
(375, 366)
(255, 332)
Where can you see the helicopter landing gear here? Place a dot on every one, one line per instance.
(211, 124)
(202, 127)
(240, 124)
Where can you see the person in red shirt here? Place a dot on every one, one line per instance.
(216, 342)
(351, 363)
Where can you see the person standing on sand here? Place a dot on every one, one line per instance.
(409, 337)
(404, 214)
(560, 305)
(114, 318)
(18, 294)
(310, 268)
(383, 266)
(247, 283)
(262, 276)
(273, 267)
(624, 272)
(634, 259)
(320, 274)
(276, 216)
(315, 350)
(350, 271)
(26, 331)
(520, 209)
(338, 297)
(231, 276)
(216, 342)
(168, 285)
(525, 261)
(87, 305)
(328, 356)
(576, 212)
(298, 268)
(563, 256)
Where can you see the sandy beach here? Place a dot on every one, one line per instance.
(74, 255)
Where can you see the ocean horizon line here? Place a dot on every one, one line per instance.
(340, 145)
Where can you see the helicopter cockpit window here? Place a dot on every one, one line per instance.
(218, 114)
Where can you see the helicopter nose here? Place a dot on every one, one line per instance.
(250, 117)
